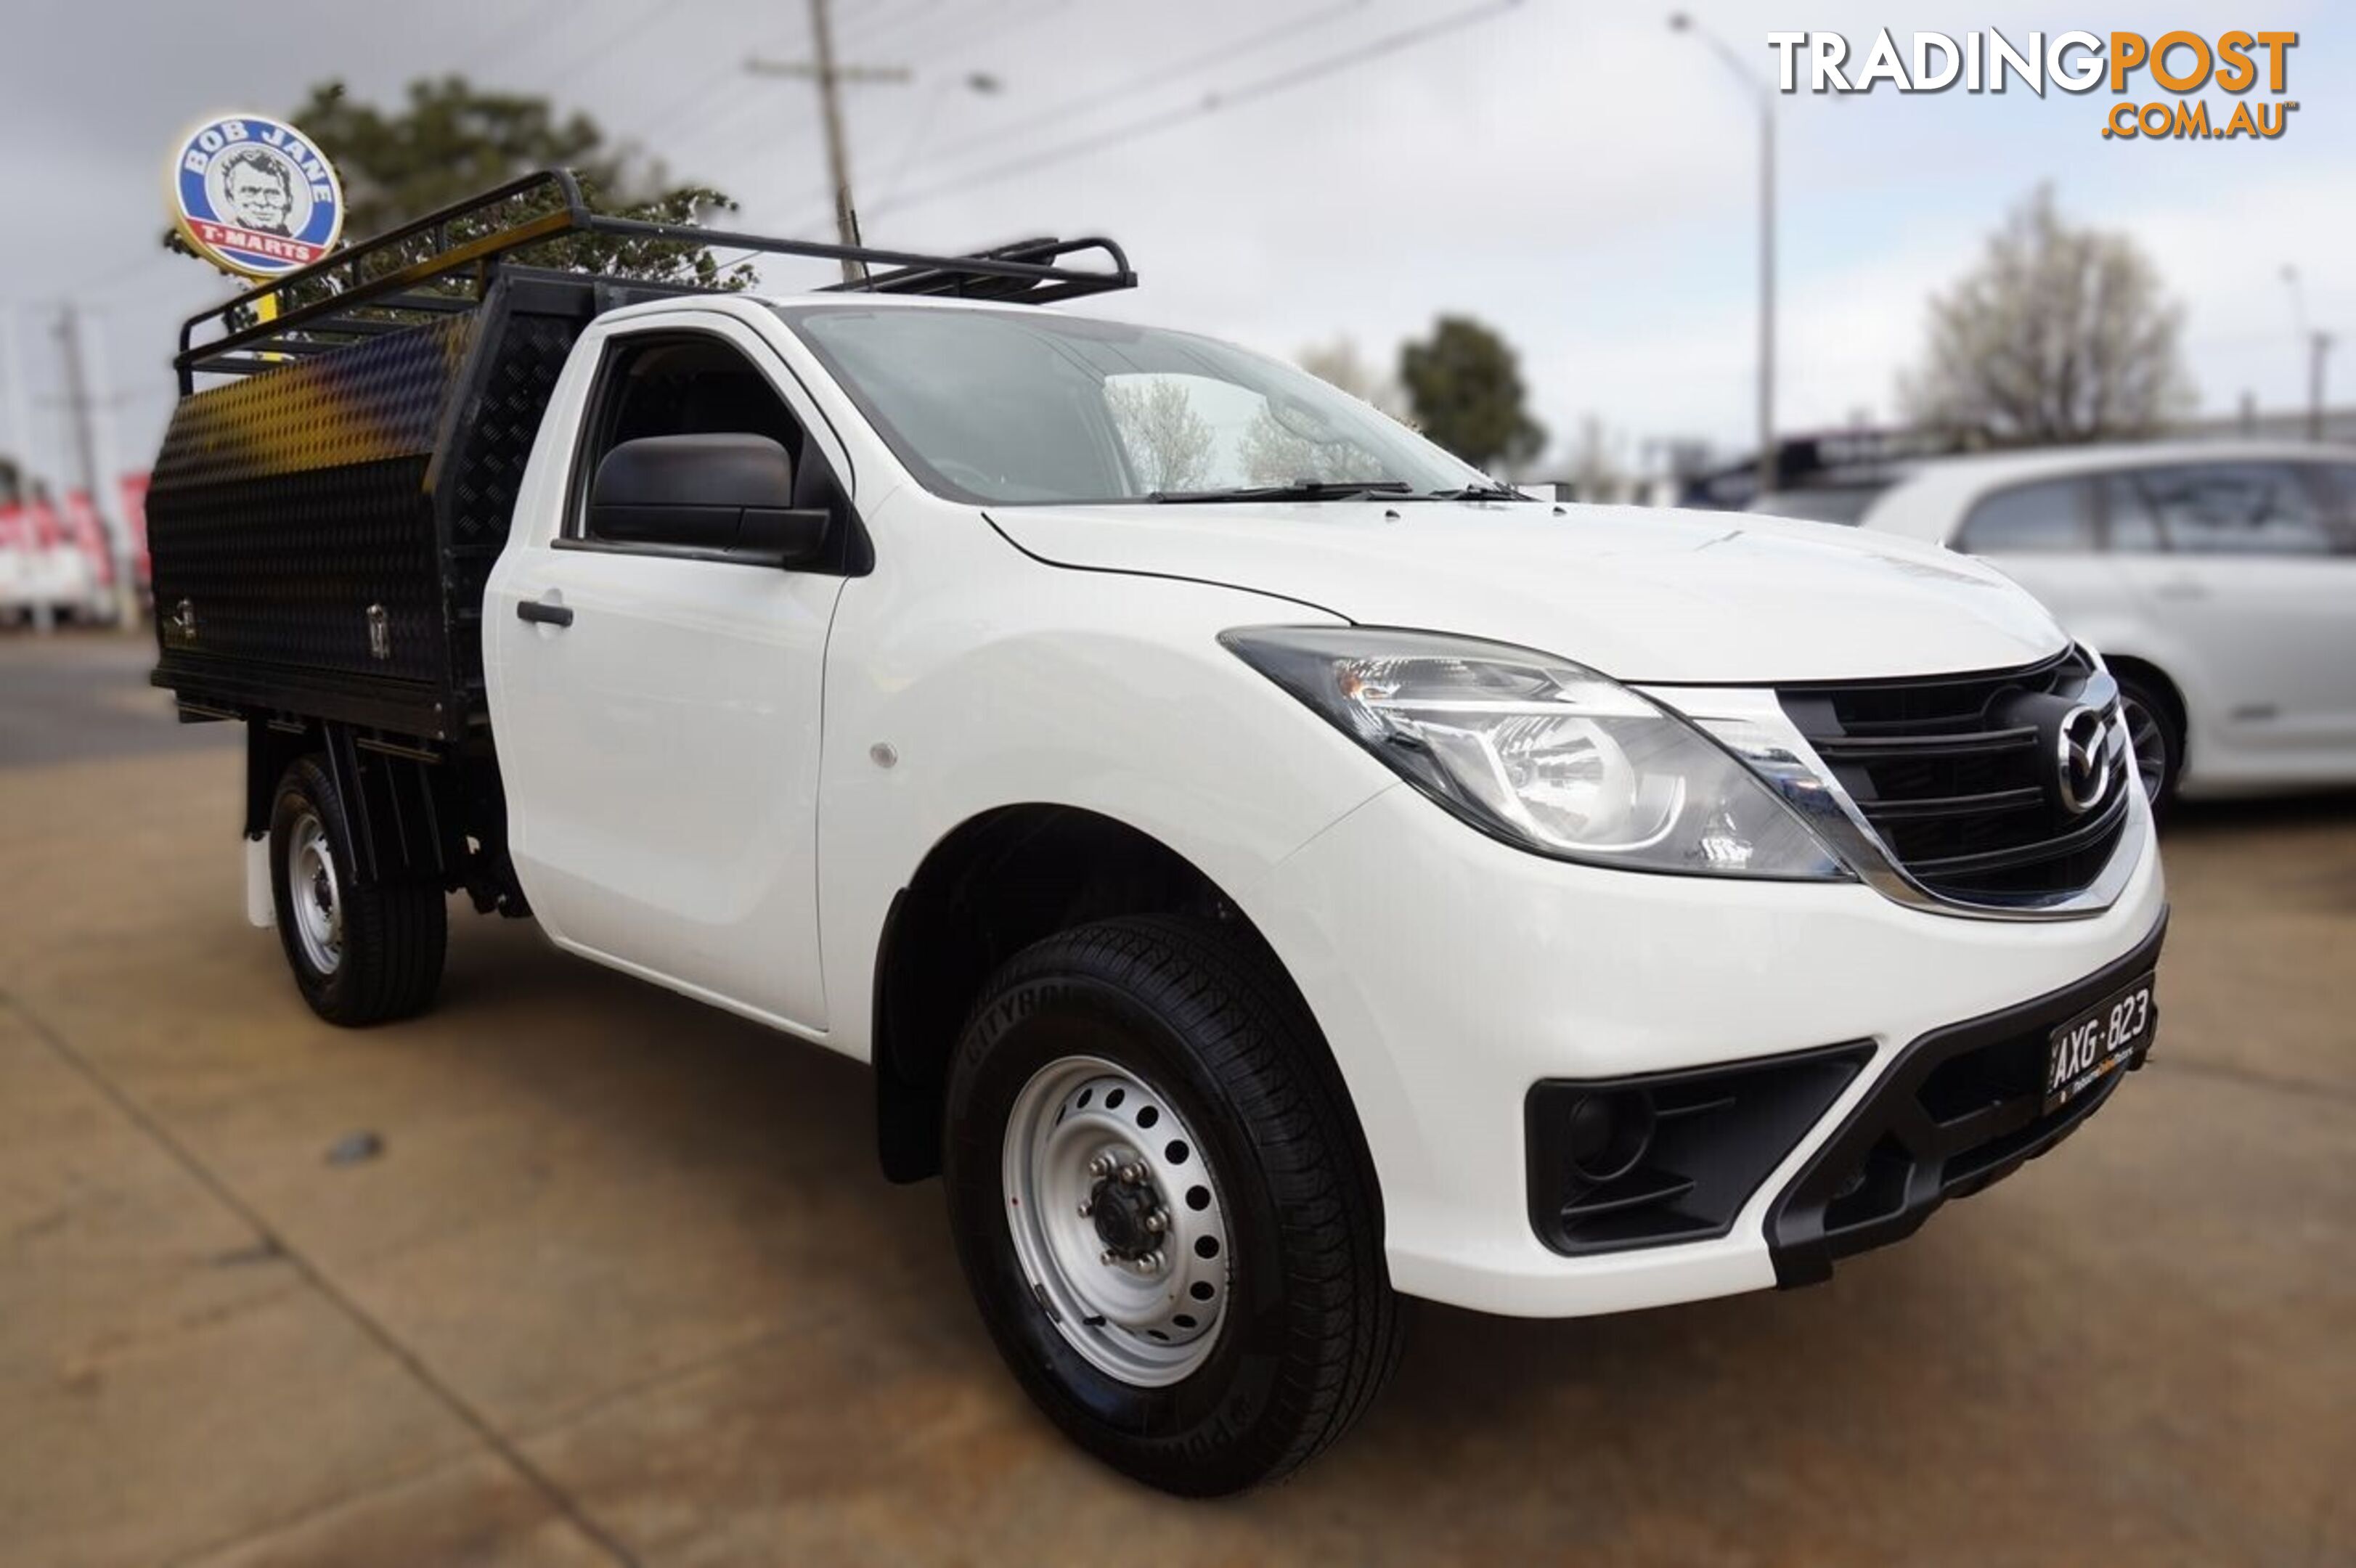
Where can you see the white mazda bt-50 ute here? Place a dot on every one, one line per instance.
(1273, 869)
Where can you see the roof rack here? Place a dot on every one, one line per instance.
(1030, 271)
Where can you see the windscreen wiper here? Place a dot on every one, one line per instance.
(1489, 492)
(1299, 490)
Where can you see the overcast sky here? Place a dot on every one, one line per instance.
(1573, 173)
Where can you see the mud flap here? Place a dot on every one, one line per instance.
(260, 901)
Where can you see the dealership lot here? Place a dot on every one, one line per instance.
(576, 1271)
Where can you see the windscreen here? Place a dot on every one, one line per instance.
(1020, 407)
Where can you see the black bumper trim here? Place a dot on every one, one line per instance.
(1712, 1135)
(1910, 1145)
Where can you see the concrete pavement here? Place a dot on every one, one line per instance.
(619, 1283)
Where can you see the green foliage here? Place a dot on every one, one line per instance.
(452, 140)
(1465, 386)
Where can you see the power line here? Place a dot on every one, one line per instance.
(525, 26)
(638, 22)
(1212, 104)
(992, 28)
(1234, 48)
(863, 30)
(707, 93)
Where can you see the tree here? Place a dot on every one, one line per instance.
(1278, 448)
(452, 140)
(1465, 388)
(2061, 334)
(1338, 365)
(1169, 443)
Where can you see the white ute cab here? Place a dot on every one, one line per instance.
(1396, 885)
(1272, 868)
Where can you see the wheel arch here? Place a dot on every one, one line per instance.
(991, 887)
(2148, 672)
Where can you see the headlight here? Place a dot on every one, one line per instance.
(1540, 752)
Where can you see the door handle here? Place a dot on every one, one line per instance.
(543, 612)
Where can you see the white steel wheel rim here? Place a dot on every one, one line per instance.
(1092, 1152)
(2148, 743)
(315, 894)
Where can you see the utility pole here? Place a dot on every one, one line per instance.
(2318, 349)
(829, 77)
(1680, 22)
(20, 442)
(94, 449)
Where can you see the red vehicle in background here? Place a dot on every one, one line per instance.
(55, 562)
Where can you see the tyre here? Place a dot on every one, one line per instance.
(1162, 1207)
(361, 955)
(2156, 738)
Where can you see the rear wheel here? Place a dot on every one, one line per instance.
(2155, 737)
(1161, 1206)
(360, 955)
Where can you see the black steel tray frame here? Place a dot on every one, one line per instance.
(1029, 272)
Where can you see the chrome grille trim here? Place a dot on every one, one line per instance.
(1751, 723)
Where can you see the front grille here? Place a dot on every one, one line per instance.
(1962, 793)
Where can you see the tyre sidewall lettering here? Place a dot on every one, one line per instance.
(1207, 1414)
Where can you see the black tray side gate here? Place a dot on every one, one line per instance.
(321, 534)
(322, 518)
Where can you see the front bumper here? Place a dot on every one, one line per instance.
(1958, 1109)
(1450, 974)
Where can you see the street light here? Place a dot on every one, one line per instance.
(1680, 22)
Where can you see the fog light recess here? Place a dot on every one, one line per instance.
(1671, 1156)
(1607, 1132)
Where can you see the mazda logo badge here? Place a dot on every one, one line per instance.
(2086, 764)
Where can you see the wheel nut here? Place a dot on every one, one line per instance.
(1156, 1222)
(1106, 1257)
(1086, 1207)
(1130, 1175)
(1102, 1166)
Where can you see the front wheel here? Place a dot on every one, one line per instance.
(361, 955)
(1162, 1208)
(2156, 736)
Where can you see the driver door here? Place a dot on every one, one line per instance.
(657, 709)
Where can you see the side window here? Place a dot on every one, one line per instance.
(2043, 519)
(2236, 509)
(684, 384)
(2339, 481)
(2130, 529)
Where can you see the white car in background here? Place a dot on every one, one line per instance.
(2218, 579)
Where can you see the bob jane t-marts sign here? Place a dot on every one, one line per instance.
(254, 197)
(2125, 64)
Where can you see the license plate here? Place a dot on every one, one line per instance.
(2095, 1044)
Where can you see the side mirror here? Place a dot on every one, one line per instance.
(731, 496)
